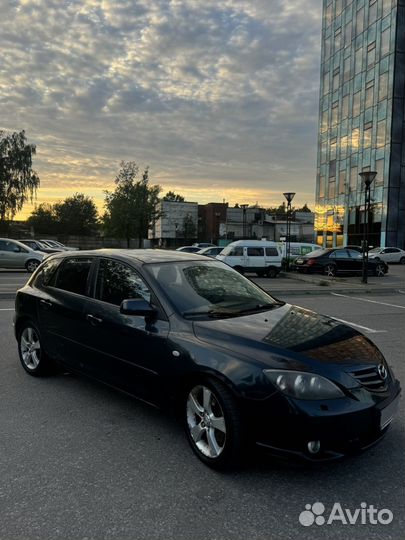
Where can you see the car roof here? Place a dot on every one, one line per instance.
(139, 255)
(254, 243)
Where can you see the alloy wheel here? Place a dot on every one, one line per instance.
(206, 422)
(379, 271)
(32, 266)
(30, 348)
(330, 270)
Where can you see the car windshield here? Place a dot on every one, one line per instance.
(209, 289)
(375, 250)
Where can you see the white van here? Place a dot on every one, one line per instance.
(259, 256)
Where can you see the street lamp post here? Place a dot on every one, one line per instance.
(367, 177)
(289, 197)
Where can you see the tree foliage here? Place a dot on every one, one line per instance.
(43, 219)
(77, 215)
(171, 196)
(18, 181)
(132, 208)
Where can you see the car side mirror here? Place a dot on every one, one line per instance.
(138, 306)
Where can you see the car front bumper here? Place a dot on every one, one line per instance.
(341, 427)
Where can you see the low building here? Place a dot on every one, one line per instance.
(177, 225)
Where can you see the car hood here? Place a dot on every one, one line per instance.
(292, 334)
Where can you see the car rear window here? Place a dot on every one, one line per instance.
(72, 275)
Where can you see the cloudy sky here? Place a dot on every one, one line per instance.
(218, 97)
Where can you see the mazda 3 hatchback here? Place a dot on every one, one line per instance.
(240, 366)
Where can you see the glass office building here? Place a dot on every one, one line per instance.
(361, 122)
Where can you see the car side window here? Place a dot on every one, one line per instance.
(255, 252)
(73, 275)
(6, 245)
(271, 252)
(354, 254)
(47, 273)
(341, 254)
(236, 252)
(117, 282)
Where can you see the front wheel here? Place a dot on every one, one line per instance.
(379, 270)
(402, 260)
(330, 270)
(213, 424)
(32, 265)
(32, 355)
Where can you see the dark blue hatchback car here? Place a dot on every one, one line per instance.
(240, 366)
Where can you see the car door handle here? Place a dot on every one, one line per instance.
(93, 319)
(46, 303)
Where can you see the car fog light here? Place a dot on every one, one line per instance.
(314, 447)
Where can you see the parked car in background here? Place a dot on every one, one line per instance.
(188, 333)
(387, 254)
(189, 249)
(58, 245)
(259, 256)
(355, 248)
(298, 248)
(210, 251)
(36, 245)
(16, 255)
(203, 244)
(335, 261)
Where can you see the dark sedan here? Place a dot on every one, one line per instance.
(334, 261)
(182, 330)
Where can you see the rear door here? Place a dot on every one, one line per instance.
(124, 350)
(61, 310)
(343, 261)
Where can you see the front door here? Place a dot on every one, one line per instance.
(124, 350)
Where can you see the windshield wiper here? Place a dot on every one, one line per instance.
(260, 307)
(211, 313)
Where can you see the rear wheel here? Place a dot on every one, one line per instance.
(379, 270)
(330, 270)
(402, 260)
(213, 424)
(32, 355)
(271, 273)
(32, 265)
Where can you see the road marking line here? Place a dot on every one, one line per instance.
(365, 328)
(7, 309)
(366, 300)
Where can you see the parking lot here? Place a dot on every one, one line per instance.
(78, 460)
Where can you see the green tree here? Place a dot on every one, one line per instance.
(43, 219)
(132, 208)
(171, 196)
(77, 215)
(304, 208)
(18, 182)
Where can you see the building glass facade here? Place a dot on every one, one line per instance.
(361, 122)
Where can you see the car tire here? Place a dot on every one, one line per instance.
(31, 352)
(272, 273)
(261, 273)
(213, 424)
(402, 260)
(379, 270)
(31, 265)
(330, 270)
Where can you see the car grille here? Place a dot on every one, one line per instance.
(370, 379)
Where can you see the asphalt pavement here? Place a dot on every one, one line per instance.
(81, 461)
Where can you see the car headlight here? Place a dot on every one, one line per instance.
(303, 385)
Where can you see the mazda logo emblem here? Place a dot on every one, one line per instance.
(382, 371)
